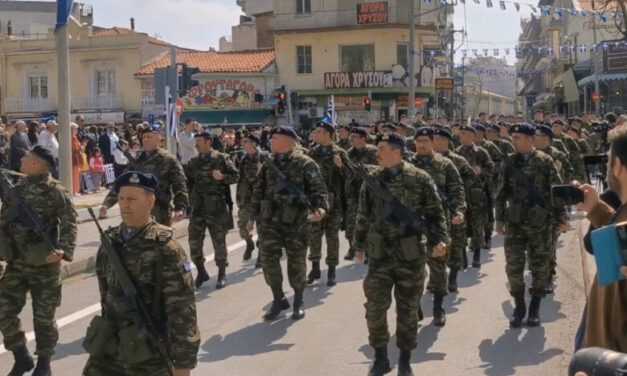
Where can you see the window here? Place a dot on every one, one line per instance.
(357, 58)
(401, 55)
(105, 82)
(303, 59)
(303, 6)
(38, 87)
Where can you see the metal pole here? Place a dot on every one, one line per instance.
(597, 103)
(411, 98)
(463, 93)
(64, 107)
(290, 118)
(174, 92)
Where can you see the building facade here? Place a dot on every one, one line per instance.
(30, 19)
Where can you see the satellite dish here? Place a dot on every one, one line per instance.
(398, 72)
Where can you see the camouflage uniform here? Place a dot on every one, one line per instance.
(248, 167)
(477, 200)
(366, 156)
(27, 271)
(152, 258)
(525, 207)
(575, 155)
(459, 238)
(282, 219)
(497, 157)
(344, 143)
(505, 146)
(330, 225)
(168, 170)
(397, 260)
(451, 190)
(210, 209)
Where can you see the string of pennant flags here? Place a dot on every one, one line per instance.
(495, 73)
(547, 11)
(543, 51)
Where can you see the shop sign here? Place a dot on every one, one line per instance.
(372, 13)
(616, 59)
(357, 80)
(444, 84)
(222, 94)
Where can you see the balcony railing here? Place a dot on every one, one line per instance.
(20, 105)
(108, 102)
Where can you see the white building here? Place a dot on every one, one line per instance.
(36, 18)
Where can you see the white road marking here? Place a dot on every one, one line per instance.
(95, 308)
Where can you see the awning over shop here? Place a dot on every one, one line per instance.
(228, 117)
(567, 80)
(603, 77)
(374, 92)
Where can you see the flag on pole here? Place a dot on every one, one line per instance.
(502, 4)
(330, 116)
(64, 9)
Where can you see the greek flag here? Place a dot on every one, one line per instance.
(330, 116)
(64, 9)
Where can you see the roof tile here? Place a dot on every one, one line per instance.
(216, 62)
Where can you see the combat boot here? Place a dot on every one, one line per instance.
(476, 258)
(23, 361)
(549, 289)
(421, 315)
(350, 255)
(439, 315)
(519, 311)
(258, 263)
(279, 303)
(465, 258)
(250, 247)
(331, 276)
(452, 281)
(315, 273)
(43, 367)
(404, 364)
(299, 311)
(533, 318)
(221, 277)
(381, 364)
(202, 276)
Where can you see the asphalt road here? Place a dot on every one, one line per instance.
(332, 339)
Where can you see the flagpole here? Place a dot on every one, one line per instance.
(64, 106)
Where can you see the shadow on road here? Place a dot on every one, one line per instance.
(64, 350)
(232, 278)
(252, 340)
(515, 348)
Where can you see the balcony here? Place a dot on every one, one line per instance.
(24, 105)
(101, 102)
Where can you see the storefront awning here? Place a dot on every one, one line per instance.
(377, 91)
(567, 81)
(602, 77)
(239, 117)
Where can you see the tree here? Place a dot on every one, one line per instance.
(618, 10)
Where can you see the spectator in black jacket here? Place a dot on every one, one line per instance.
(20, 145)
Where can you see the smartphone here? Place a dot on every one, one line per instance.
(567, 194)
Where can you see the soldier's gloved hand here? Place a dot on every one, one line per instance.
(439, 250)
(178, 215)
(218, 175)
(182, 372)
(316, 216)
(500, 228)
(338, 161)
(55, 256)
(458, 219)
(360, 256)
(103, 213)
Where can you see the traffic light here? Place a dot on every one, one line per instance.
(281, 102)
(185, 79)
(367, 103)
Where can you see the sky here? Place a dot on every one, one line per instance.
(199, 24)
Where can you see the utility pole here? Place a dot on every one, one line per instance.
(411, 98)
(170, 101)
(64, 106)
(597, 103)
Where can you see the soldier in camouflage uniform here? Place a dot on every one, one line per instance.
(524, 214)
(157, 263)
(451, 190)
(457, 258)
(569, 146)
(212, 173)
(288, 195)
(360, 153)
(396, 258)
(493, 135)
(491, 186)
(248, 167)
(34, 264)
(477, 199)
(329, 157)
(168, 171)
(344, 137)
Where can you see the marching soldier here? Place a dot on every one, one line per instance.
(524, 213)
(397, 256)
(451, 190)
(248, 166)
(360, 153)
(117, 341)
(344, 137)
(493, 135)
(34, 258)
(478, 200)
(212, 172)
(289, 193)
(329, 157)
(457, 258)
(569, 146)
(168, 171)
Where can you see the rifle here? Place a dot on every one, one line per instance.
(296, 194)
(23, 213)
(142, 317)
(394, 211)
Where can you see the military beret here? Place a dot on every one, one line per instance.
(389, 125)
(558, 121)
(424, 132)
(155, 127)
(526, 129)
(253, 138)
(363, 132)
(44, 155)
(344, 126)
(492, 127)
(393, 139)
(206, 135)
(326, 126)
(147, 182)
(545, 130)
(443, 132)
(467, 129)
(479, 127)
(285, 131)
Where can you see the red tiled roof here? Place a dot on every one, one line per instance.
(216, 62)
(113, 31)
